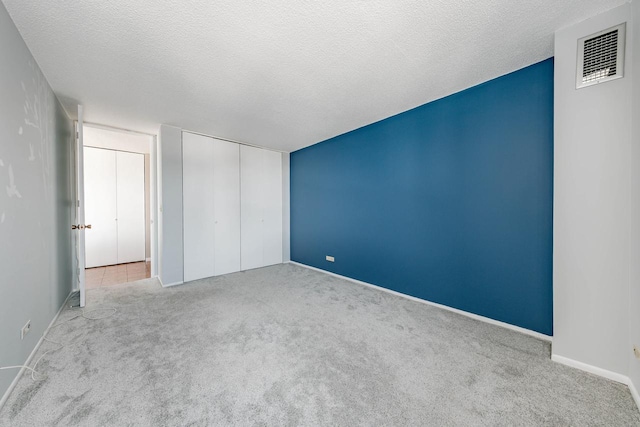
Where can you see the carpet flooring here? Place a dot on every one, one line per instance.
(285, 345)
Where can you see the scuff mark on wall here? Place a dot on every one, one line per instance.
(36, 108)
(12, 190)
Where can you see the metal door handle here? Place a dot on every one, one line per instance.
(80, 227)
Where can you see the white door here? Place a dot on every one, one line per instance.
(130, 207)
(261, 207)
(100, 207)
(226, 207)
(251, 177)
(114, 206)
(79, 226)
(197, 193)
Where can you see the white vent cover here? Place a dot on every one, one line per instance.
(601, 57)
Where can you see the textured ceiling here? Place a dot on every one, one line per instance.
(280, 74)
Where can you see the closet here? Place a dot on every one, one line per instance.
(114, 206)
(261, 207)
(232, 207)
(211, 204)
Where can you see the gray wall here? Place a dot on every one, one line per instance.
(592, 188)
(634, 294)
(36, 201)
(170, 206)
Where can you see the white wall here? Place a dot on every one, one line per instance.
(147, 205)
(154, 207)
(592, 219)
(37, 201)
(112, 139)
(170, 205)
(634, 294)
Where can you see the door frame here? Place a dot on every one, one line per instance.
(153, 190)
(78, 227)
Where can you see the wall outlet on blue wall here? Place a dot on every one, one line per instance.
(330, 258)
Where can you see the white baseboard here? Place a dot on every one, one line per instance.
(168, 285)
(434, 304)
(171, 284)
(34, 351)
(634, 393)
(614, 376)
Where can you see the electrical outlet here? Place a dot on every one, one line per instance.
(25, 329)
(636, 351)
(330, 258)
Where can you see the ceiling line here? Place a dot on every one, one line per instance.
(234, 141)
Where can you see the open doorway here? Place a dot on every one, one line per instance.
(118, 202)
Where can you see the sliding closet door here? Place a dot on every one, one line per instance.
(198, 211)
(261, 207)
(272, 208)
(226, 206)
(130, 207)
(251, 206)
(101, 247)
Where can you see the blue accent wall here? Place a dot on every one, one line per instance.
(450, 202)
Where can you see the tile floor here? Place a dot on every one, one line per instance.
(116, 274)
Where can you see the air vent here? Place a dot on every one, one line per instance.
(601, 57)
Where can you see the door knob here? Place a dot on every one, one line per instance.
(80, 227)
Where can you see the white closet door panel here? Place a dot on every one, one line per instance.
(272, 207)
(197, 181)
(100, 207)
(130, 206)
(226, 206)
(251, 183)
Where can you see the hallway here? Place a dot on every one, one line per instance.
(117, 274)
